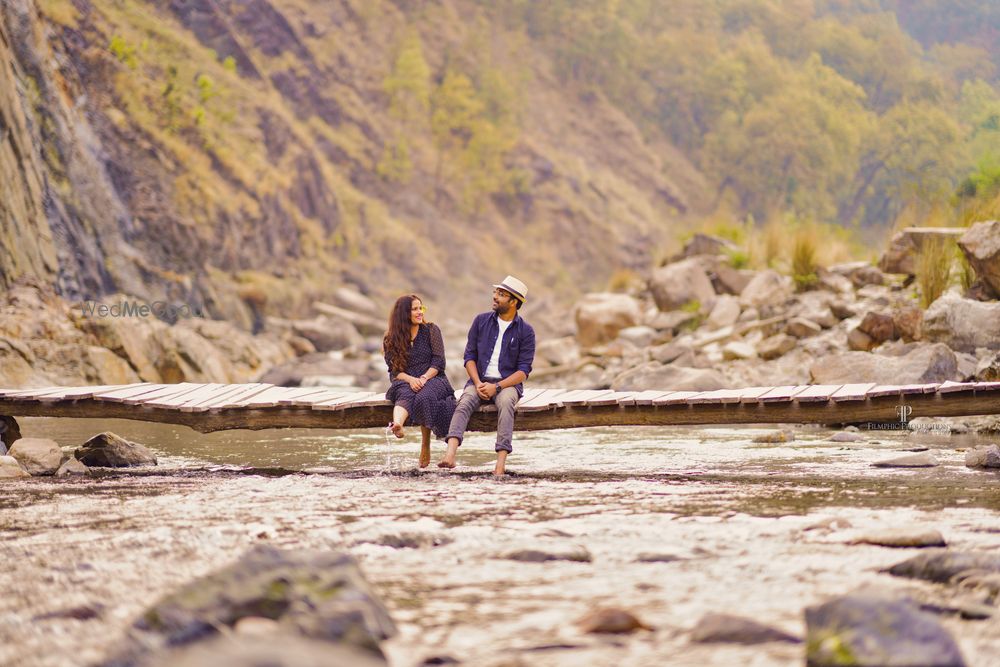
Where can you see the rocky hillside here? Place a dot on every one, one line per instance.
(249, 156)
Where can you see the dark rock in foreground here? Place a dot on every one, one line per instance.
(315, 594)
(942, 566)
(874, 631)
(737, 630)
(983, 457)
(610, 620)
(112, 451)
(539, 556)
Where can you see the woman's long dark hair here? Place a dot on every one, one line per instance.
(396, 342)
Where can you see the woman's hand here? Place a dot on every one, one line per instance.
(416, 384)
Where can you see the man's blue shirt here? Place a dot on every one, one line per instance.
(517, 351)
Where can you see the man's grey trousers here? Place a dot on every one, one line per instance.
(505, 400)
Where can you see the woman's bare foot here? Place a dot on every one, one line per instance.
(397, 429)
(425, 456)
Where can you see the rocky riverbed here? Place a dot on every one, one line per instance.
(668, 524)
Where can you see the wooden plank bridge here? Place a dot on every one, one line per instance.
(215, 407)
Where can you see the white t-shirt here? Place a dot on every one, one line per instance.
(493, 368)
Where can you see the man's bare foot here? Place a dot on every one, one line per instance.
(501, 466)
(397, 429)
(448, 460)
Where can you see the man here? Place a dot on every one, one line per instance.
(498, 357)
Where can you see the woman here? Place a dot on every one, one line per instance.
(420, 391)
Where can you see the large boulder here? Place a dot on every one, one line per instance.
(905, 246)
(39, 456)
(681, 284)
(981, 245)
(962, 324)
(870, 630)
(326, 333)
(668, 378)
(600, 316)
(923, 363)
(113, 451)
(10, 468)
(767, 288)
(319, 595)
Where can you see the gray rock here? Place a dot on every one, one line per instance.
(725, 313)
(658, 558)
(859, 341)
(941, 565)
(599, 316)
(903, 538)
(842, 309)
(668, 352)
(983, 457)
(668, 378)
(610, 620)
(738, 350)
(909, 461)
(981, 245)
(833, 282)
(640, 336)
(39, 456)
(962, 324)
(72, 467)
(320, 595)
(908, 322)
(558, 351)
(10, 468)
(727, 628)
(776, 346)
(988, 368)
(352, 299)
(869, 630)
(682, 283)
(544, 556)
(905, 246)
(846, 436)
(924, 363)
(800, 327)
(412, 540)
(728, 280)
(327, 333)
(672, 320)
(113, 451)
(706, 244)
(878, 326)
(10, 433)
(768, 288)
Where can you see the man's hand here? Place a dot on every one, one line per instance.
(490, 389)
(481, 389)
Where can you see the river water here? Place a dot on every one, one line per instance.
(735, 519)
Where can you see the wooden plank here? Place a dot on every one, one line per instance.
(120, 393)
(902, 389)
(817, 393)
(949, 387)
(341, 402)
(780, 394)
(167, 401)
(717, 396)
(987, 386)
(583, 396)
(189, 402)
(225, 392)
(530, 393)
(233, 400)
(753, 394)
(265, 399)
(853, 392)
(75, 393)
(676, 398)
(614, 398)
(164, 391)
(647, 397)
(547, 399)
(27, 394)
(310, 395)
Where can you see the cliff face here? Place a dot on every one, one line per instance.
(227, 153)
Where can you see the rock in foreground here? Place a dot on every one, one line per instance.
(39, 456)
(983, 457)
(940, 565)
(314, 594)
(737, 630)
(869, 630)
(113, 451)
